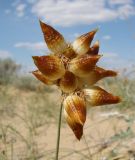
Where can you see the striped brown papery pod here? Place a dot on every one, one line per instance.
(97, 96)
(75, 114)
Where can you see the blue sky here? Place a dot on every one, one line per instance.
(21, 37)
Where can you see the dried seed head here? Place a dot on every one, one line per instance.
(42, 78)
(75, 114)
(96, 74)
(73, 67)
(54, 40)
(82, 65)
(81, 44)
(68, 83)
(51, 66)
(96, 96)
(94, 49)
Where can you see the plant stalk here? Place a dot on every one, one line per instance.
(58, 134)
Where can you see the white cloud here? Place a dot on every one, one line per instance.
(4, 54)
(20, 8)
(115, 61)
(68, 13)
(31, 46)
(107, 37)
(118, 2)
(126, 11)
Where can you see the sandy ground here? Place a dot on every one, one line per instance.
(108, 135)
(99, 129)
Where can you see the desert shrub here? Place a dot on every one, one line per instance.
(10, 74)
(125, 88)
(29, 83)
(8, 69)
(25, 82)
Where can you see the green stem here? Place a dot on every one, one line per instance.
(58, 134)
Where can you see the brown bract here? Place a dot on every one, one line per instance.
(97, 74)
(42, 78)
(82, 65)
(54, 40)
(96, 96)
(72, 67)
(51, 66)
(81, 44)
(68, 83)
(75, 113)
(94, 49)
